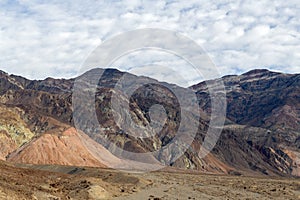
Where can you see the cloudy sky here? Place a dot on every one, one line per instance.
(41, 38)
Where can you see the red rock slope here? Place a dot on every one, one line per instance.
(65, 148)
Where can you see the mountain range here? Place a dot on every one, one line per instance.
(261, 135)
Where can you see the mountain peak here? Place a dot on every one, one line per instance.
(256, 71)
(260, 72)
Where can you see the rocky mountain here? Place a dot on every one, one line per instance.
(274, 95)
(263, 113)
(261, 135)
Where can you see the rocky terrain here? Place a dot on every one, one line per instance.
(66, 182)
(261, 135)
(263, 114)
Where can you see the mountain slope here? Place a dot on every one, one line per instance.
(263, 115)
(261, 135)
(56, 147)
(13, 130)
(261, 98)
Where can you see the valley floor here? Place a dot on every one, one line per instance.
(35, 182)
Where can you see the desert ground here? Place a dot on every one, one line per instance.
(61, 182)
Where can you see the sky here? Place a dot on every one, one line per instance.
(40, 39)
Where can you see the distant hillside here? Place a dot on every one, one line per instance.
(261, 135)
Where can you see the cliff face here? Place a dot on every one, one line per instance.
(261, 135)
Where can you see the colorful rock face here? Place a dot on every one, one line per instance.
(261, 134)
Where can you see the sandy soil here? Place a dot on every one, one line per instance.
(95, 183)
(195, 186)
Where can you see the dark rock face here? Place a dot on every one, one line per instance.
(267, 105)
(261, 134)
(257, 97)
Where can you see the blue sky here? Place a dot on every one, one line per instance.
(39, 39)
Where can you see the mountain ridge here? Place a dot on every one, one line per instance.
(273, 139)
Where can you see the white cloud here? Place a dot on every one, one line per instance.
(52, 38)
